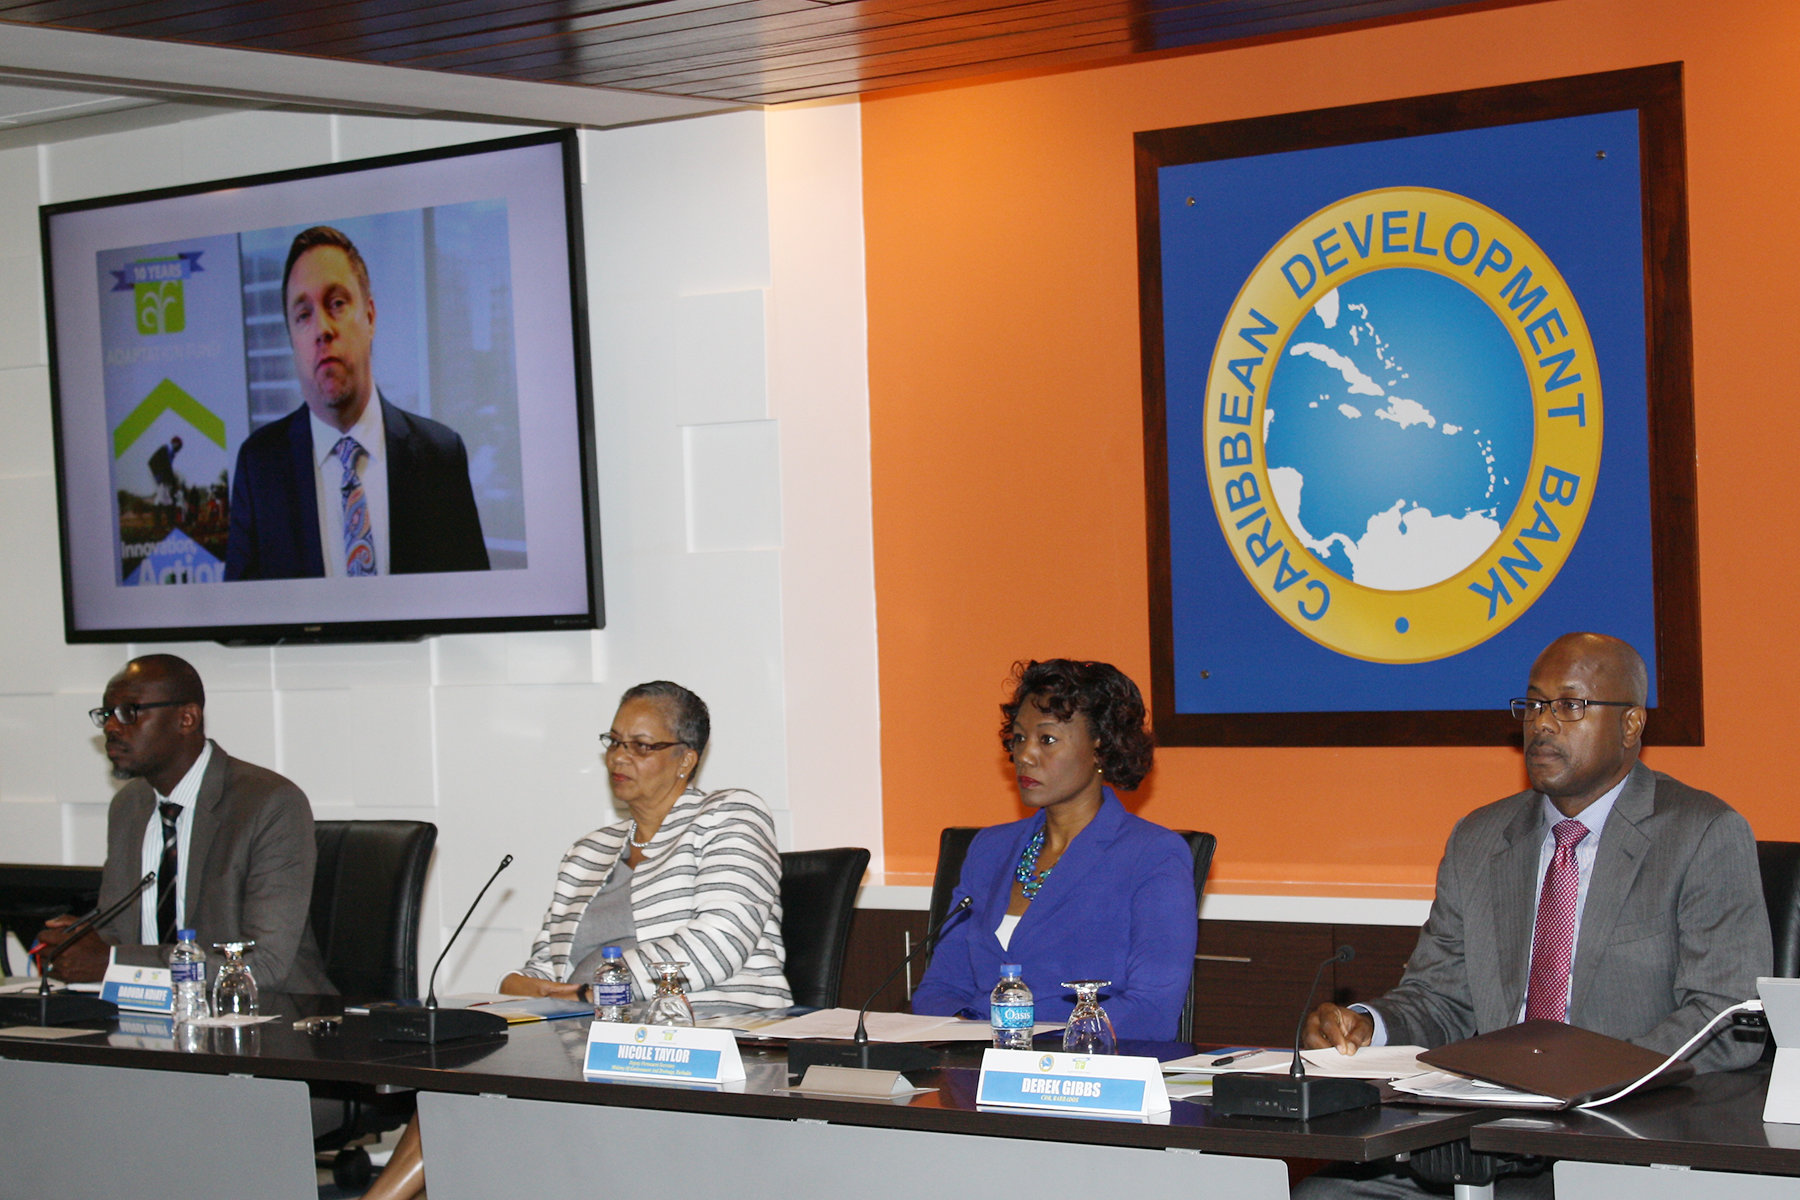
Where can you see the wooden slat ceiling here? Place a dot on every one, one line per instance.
(744, 51)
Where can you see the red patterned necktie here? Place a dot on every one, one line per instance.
(1553, 944)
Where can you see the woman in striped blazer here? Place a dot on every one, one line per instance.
(688, 876)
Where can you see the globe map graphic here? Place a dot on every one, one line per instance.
(1398, 428)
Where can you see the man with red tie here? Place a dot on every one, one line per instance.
(1609, 896)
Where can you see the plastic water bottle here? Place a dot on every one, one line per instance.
(612, 986)
(1013, 1012)
(187, 970)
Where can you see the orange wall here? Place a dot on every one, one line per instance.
(1008, 460)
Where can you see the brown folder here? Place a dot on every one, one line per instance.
(1549, 1058)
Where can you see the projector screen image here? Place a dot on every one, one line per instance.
(343, 402)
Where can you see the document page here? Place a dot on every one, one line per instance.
(840, 1023)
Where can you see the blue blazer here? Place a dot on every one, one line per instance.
(1118, 905)
(433, 524)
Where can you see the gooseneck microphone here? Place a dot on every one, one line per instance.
(425, 1022)
(1294, 1096)
(930, 939)
(859, 1051)
(71, 1008)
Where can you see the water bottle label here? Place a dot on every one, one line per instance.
(188, 972)
(1013, 1016)
(607, 995)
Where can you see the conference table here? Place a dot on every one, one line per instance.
(512, 1114)
(1703, 1138)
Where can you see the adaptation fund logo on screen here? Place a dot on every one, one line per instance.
(156, 287)
(1404, 425)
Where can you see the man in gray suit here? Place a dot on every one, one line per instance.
(1668, 921)
(1670, 926)
(235, 841)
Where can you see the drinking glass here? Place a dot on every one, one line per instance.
(1090, 1030)
(670, 1004)
(234, 991)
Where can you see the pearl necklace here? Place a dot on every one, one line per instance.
(1027, 873)
(631, 836)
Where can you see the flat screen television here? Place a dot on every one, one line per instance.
(345, 402)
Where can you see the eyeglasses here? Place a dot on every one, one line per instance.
(127, 714)
(1563, 708)
(636, 749)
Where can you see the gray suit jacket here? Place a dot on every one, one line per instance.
(254, 854)
(1674, 928)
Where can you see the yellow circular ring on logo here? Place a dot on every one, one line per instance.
(1456, 237)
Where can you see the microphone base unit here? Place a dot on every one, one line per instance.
(877, 1056)
(1255, 1095)
(416, 1023)
(62, 1008)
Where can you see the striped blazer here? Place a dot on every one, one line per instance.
(708, 894)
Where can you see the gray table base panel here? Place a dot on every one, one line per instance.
(1618, 1181)
(479, 1147)
(115, 1131)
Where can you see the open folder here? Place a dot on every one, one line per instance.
(1563, 1064)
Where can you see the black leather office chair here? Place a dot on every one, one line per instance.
(1780, 863)
(818, 899)
(953, 847)
(32, 893)
(1201, 846)
(366, 898)
(368, 890)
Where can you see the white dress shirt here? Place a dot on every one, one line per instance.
(328, 484)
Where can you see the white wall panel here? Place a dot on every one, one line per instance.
(84, 833)
(721, 361)
(27, 725)
(248, 143)
(556, 657)
(367, 664)
(31, 830)
(733, 474)
(370, 137)
(118, 162)
(25, 421)
(818, 371)
(22, 331)
(35, 659)
(19, 181)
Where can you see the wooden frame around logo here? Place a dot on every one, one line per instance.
(1655, 93)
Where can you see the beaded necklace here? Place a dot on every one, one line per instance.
(1027, 872)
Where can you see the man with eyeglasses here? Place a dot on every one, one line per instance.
(1609, 896)
(231, 843)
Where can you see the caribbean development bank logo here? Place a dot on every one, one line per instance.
(1403, 425)
(156, 286)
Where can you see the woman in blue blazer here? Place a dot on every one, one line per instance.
(1081, 889)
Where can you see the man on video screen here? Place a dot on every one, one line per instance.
(342, 486)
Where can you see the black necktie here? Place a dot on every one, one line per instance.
(166, 875)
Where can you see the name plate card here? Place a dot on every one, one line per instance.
(1089, 1083)
(675, 1052)
(139, 989)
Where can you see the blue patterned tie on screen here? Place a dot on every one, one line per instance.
(359, 537)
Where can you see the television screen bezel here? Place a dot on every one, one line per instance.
(396, 629)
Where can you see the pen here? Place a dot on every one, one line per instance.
(1231, 1058)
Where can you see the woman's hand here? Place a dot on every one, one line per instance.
(529, 985)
